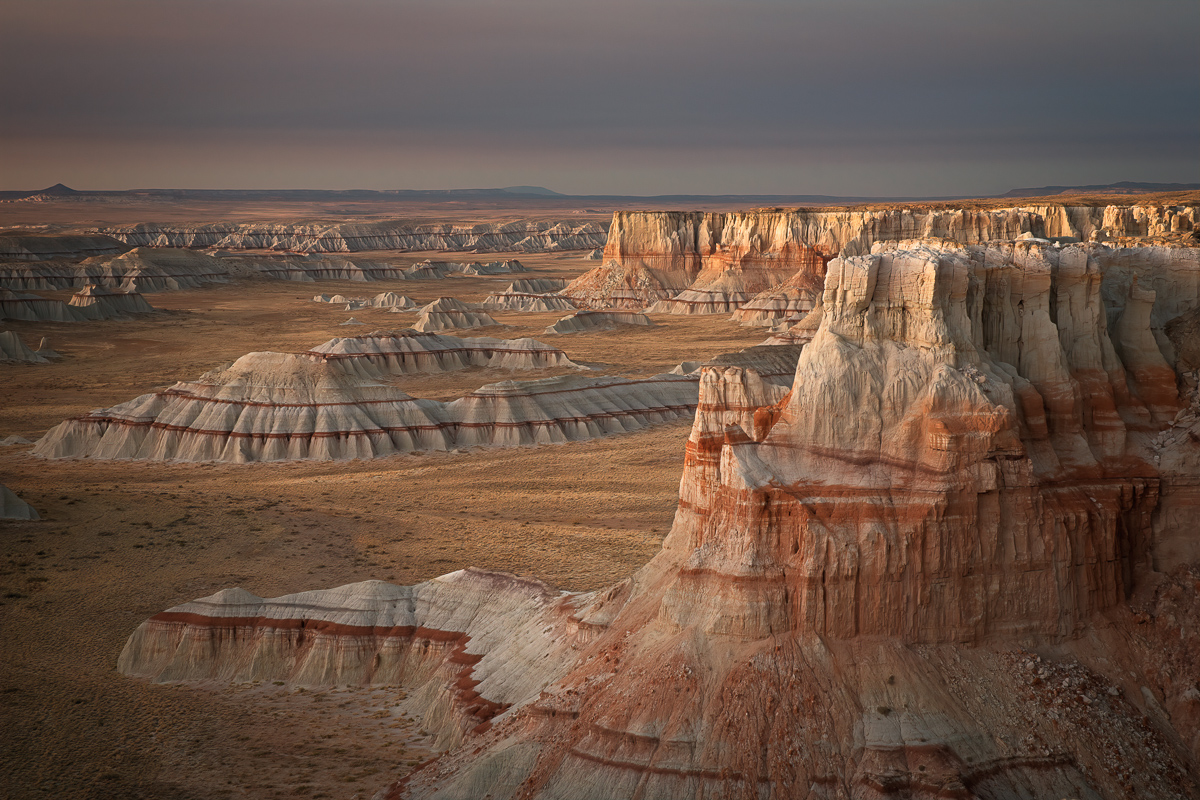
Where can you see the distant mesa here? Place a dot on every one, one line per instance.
(1123, 187)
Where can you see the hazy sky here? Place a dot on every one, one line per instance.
(876, 97)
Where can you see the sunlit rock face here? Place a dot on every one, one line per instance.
(954, 558)
(654, 255)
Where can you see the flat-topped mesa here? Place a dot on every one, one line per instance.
(409, 351)
(349, 237)
(652, 256)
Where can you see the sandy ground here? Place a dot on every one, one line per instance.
(121, 541)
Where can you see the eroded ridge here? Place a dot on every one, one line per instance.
(339, 401)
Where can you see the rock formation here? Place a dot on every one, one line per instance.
(13, 349)
(956, 559)
(32, 308)
(789, 302)
(587, 321)
(349, 237)
(652, 256)
(107, 303)
(141, 270)
(13, 507)
(336, 402)
(536, 286)
(447, 313)
(22, 246)
(390, 300)
(529, 303)
(408, 352)
(317, 267)
(700, 301)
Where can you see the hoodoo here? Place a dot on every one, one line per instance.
(912, 575)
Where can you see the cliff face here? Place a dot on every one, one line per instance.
(653, 255)
(954, 559)
(346, 237)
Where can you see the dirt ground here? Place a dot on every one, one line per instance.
(121, 541)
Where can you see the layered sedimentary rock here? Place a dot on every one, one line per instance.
(908, 576)
(529, 303)
(789, 302)
(13, 507)
(568, 408)
(447, 313)
(20, 246)
(505, 267)
(317, 267)
(652, 256)
(106, 303)
(586, 321)
(390, 300)
(536, 286)
(337, 402)
(349, 237)
(13, 349)
(141, 269)
(700, 301)
(408, 351)
(32, 308)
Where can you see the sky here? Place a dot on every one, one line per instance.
(637, 97)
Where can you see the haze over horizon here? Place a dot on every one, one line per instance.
(863, 97)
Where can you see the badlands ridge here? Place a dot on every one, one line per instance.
(986, 445)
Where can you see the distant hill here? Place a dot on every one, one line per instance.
(1124, 187)
(538, 190)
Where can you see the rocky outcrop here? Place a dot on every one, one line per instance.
(653, 255)
(789, 302)
(536, 286)
(588, 321)
(447, 313)
(350, 237)
(23, 246)
(140, 269)
(107, 303)
(13, 507)
(700, 302)
(408, 352)
(13, 349)
(335, 402)
(528, 303)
